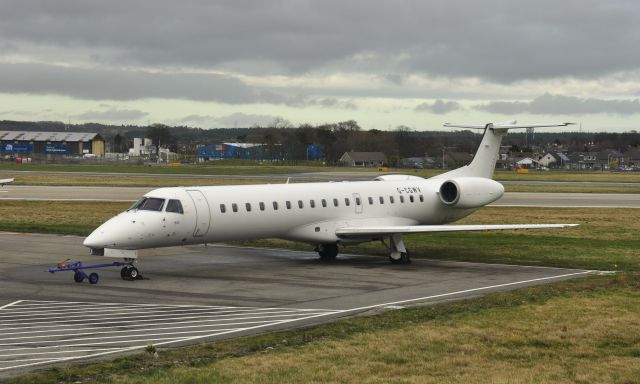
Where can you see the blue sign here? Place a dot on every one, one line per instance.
(16, 148)
(314, 152)
(59, 149)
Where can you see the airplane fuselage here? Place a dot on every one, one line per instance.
(305, 212)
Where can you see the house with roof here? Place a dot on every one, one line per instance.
(363, 159)
(457, 159)
(554, 160)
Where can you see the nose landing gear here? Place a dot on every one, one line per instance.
(129, 272)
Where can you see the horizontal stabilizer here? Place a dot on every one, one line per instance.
(509, 125)
(390, 230)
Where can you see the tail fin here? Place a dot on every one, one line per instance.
(484, 161)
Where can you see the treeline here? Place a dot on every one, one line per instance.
(334, 138)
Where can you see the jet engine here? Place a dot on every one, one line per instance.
(470, 192)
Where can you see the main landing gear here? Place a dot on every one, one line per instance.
(327, 251)
(129, 272)
(398, 254)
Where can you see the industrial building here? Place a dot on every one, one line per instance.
(246, 151)
(27, 143)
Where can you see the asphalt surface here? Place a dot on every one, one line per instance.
(195, 293)
(524, 199)
(314, 176)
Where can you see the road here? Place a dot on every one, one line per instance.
(524, 199)
(195, 293)
(313, 176)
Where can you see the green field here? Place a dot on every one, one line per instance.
(244, 168)
(163, 176)
(582, 331)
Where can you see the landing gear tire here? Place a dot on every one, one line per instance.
(328, 251)
(130, 273)
(402, 259)
(77, 277)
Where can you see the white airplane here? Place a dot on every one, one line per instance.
(321, 214)
(6, 181)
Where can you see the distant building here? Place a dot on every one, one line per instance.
(142, 147)
(526, 162)
(363, 159)
(245, 151)
(23, 143)
(457, 159)
(554, 160)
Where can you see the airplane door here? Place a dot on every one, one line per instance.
(203, 214)
(358, 203)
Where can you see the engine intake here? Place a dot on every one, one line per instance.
(470, 192)
(449, 192)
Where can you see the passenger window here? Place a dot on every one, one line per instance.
(300, 204)
(401, 199)
(234, 207)
(335, 202)
(324, 203)
(347, 202)
(392, 200)
(381, 200)
(288, 204)
(150, 204)
(261, 206)
(370, 200)
(174, 206)
(312, 203)
(275, 205)
(357, 201)
(411, 198)
(248, 206)
(223, 208)
(421, 199)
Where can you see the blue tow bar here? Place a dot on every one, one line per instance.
(80, 275)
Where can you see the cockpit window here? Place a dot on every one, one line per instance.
(174, 206)
(148, 204)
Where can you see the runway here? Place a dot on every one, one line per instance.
(522, 199)
(352, 175)
(195, 293)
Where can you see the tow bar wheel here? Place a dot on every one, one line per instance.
(93, 278)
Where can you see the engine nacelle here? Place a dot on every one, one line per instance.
(470, 192)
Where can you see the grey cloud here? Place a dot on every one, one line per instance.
(439, 107)
(236, 119)
(329, 102)
(112, 114)
(500, 40)
(99, 84)
(548, 104)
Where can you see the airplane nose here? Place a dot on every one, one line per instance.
(112, 234)
(93, 240)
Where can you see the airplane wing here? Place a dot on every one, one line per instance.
(6, 181)
(390, 230)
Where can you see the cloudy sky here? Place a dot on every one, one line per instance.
(382, 63)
